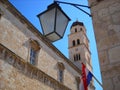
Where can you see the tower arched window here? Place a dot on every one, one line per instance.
(73, 42)
(75, 29)
(79, 57)
(78, 41)
(74, 57)
(81, 29)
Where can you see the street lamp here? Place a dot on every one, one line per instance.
(54, 22)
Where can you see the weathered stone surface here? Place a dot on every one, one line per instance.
(116, 81)
(103, 56)
(106, 24)
(107, 84)
(115, 17)
(12, 79)
(109, 41)
(114, 7)
(114, 55)
(25, 69)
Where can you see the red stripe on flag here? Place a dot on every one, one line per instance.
(84, 77)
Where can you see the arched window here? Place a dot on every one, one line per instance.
(79, 57)
(34, 48)
(74, 57)
(78, 41)
(60, 75)
(60, 72)
(33, 54)
(75, 29)
(81, 29)
(73, 42)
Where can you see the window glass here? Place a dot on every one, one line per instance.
(32, 56)
(60, 75)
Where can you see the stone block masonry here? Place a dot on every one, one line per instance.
(20, 75)
(106, 23)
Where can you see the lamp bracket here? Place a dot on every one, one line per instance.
(76, 6)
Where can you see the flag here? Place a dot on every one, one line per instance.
(86, 78)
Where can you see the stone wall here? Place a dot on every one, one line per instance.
(106, 23)
(15, 73)
(15, 34)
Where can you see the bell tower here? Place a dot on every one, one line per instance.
(79, 45)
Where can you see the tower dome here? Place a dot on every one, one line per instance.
(77, 23)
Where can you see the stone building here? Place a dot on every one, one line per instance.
(79, 46)
(106, 23)
(28, 61)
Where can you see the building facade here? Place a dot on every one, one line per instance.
(28, 61)
(106, 23)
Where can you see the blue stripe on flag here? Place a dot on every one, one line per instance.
(89, 78)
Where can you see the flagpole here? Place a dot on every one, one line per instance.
(94, 77)
(97, 81)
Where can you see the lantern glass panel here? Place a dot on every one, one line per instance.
(47, 20)
(61, 23)
(53, 37)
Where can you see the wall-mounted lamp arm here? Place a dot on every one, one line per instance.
(83, 11)
(75, 5)
(72, 4)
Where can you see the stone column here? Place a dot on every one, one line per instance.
(106, 23)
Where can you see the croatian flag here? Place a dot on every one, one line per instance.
(86, 78)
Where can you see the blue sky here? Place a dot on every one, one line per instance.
(31, 8)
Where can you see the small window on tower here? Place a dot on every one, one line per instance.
(73, 42)
(75, 29)
(78, 41)
(79, 57)
(81, 29)
(74, 57)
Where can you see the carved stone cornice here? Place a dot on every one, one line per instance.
(29, 70)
